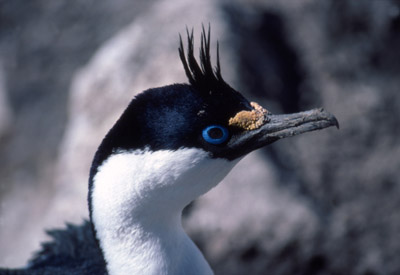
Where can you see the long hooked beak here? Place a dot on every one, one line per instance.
(275, 127)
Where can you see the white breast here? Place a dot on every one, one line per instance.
(137, 201)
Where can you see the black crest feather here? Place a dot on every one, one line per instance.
(203, 76)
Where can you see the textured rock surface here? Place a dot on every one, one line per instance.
(5, 110)
(322, 203)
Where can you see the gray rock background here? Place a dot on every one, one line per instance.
(321, 203)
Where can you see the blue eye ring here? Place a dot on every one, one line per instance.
(219, 140)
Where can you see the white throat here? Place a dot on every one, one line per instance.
(137, 201)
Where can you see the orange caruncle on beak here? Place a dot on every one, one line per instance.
(250, 120)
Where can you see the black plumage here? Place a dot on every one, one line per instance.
(72, 250)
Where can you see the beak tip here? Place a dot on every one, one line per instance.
(337, 124)
(334, 121)
(331, 118)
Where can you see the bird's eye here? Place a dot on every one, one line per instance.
(215, 134)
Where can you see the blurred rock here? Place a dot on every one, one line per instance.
(322, 203)
(349, 177)
(5, 111)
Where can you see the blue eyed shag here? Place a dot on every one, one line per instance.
(171, 145)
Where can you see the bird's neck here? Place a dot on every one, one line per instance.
(150, 247)
(137, 201)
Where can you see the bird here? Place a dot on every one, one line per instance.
(171, 145)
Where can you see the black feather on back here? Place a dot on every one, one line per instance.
(71, 251)
(73, 243)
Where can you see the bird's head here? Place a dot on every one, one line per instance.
(183, 139)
